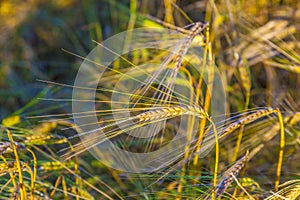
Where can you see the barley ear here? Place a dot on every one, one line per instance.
(228, 175)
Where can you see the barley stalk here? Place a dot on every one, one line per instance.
(207, 56)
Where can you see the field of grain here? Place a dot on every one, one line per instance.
(149, 99)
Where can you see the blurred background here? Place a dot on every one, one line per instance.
(35, 33)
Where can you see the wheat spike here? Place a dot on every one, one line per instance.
(293, 190)
(45, 139)
(82, 193)
(169, 112)
(294, 193)
(289, 190)
(5, 147)
(196, 30)
(228, 176)
(248, 119)
(45, 127)
(55, 166)
(238, 123)
(148, 117)
(175, 60)
(11, 167)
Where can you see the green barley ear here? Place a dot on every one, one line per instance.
(56, 166)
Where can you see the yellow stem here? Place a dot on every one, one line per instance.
(207, 95)
(213, 195)
(281, 151)
(34, 171)
(240, 135)
(21, 183)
